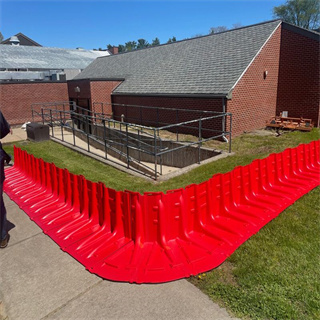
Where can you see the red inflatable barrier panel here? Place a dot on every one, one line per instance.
(159, 237)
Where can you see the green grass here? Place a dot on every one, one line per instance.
(79, 164)
(276, 273)
(246, 147)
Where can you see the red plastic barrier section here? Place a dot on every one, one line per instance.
(157, 237)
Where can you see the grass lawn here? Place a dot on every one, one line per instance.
(276, 273)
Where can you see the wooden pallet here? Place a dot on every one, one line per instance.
(290, 123)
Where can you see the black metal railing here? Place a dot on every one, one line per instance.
(139, 147)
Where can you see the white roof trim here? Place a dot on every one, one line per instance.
(245, 70)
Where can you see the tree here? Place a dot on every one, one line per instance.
(142, 43)
(236, 25)
(1, 37)
(121, 48)
(173, 39)
(217, 29)
(155, 42)
(130, 45)
(302, 13)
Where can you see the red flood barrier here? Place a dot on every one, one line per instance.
(156, 236)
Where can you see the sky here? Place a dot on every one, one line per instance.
(97, 23)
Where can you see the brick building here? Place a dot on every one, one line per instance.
(16, 98)
(32, 74)
(254, 72)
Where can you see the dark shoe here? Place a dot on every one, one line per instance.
(7, 159)
(4, 242)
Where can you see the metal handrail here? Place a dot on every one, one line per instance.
(90, 121)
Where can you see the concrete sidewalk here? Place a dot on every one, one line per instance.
(40, 281)
(18, 134)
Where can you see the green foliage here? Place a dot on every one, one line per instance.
(142, 43)
(155, 42)
(173, 39)
(139, 44)
(121, 48)
(303, 13)
(1, 37)
(247, 147)
(79, 164)
(130, 45)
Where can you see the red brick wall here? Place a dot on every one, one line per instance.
(298, 90)
(254, 97)
(253, 100)
(16, 98)
(211, 104)
(93, 93)
(159, 117)
(101, 93)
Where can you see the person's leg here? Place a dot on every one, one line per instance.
(3, 216)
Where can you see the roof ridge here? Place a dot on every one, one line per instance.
(302, 31)
(42, 47)
(209, 64)
(193, 38)
(23, 35)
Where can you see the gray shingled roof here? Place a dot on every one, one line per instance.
(29, 57)
(204, 65)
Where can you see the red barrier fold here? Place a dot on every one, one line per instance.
(155, 236)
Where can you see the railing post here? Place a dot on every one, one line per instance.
(64, 113)
(230, 131)
(139, 145)
(155, 154)
(60, 114)
(127, 143)
(109, 131)
(32, 111)
(51, 123)
(87, 131)
(223, 117)
(73, 132)
(42, 115)
(105, 138)
(200, 138)
(160, 151)
(177, 121)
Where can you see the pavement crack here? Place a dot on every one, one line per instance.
(73, 299)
